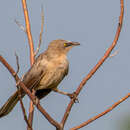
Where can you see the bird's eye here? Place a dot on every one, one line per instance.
(65, 44)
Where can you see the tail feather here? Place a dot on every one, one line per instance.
(9, 105)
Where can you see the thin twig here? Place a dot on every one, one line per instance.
(19, 94)
(31, 113)
(28, 92)
(23, 109)
(41, 33)
(114, 54)
(100, 62)
(20, 25)
(17, 62)
(102, 113)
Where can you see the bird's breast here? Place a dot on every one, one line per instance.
(57, 69)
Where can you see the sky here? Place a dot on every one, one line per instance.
(93, 24)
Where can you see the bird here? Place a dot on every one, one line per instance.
(48, 70)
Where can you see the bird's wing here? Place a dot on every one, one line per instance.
(55, 74)
(32, 78)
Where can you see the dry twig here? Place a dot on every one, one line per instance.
(115, 53)
(40, 36)
(17, 63)
(102, 113)
(21, 103)
(23, 109)
(20, 25)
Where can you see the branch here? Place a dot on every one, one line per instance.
(20, 25)
(19, 95)
(100, 62)
(23, 109)
(40, 36)
(31, 113)
(17, 63)
(28, 31)
(28, 92)
(31, 45)
(101, 114)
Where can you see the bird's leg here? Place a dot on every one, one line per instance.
(70, 95)
(61, 92)
(36, 98)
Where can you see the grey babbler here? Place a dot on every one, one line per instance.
(48, 70)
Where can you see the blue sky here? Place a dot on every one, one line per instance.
(93, 24)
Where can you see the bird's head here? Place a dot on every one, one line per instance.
(61, 46)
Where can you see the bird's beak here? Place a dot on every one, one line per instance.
(72, 43)
(75, 43)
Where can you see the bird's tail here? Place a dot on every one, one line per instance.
(9, 105)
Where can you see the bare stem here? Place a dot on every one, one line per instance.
(102, 113)
(41, 33)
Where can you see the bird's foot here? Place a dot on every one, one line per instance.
(36, 101)
(73, 96)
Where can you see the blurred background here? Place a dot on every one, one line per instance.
(93, 24)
